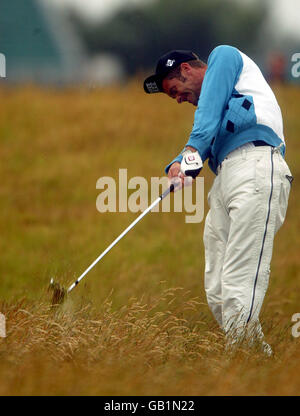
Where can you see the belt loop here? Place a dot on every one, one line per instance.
(244, 154)
(278, 148)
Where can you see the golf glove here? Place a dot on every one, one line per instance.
(191, 163)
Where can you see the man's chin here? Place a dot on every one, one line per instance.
(195, 102)
(192, 102)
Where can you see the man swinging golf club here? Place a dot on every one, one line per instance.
(238, 128)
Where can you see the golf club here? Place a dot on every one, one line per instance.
(59, 292)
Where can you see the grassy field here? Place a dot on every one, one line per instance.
(138, 324)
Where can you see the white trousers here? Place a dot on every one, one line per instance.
(248, 203)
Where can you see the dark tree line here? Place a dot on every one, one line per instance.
(139, 34)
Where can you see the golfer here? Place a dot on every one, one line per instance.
(238, 128)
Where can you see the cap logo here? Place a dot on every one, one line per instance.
(152, 87)
(170, 62)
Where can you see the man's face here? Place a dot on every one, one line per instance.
(187, 88)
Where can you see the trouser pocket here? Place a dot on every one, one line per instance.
(285, 182)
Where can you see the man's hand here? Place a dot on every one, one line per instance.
(184, 173)
(177, 178)
(191, 164)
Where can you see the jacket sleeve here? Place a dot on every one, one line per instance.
(223, 70)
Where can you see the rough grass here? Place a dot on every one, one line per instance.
(138, 324)
(160, 347)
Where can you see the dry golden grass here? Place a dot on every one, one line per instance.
(155, 348)
(139, 323)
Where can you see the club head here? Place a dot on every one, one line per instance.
(59, 292)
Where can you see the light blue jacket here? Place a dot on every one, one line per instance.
(236, 106)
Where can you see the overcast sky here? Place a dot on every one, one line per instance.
(285, 13)
(93, 9)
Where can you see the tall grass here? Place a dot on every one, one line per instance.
(163, 346)
(139, 323)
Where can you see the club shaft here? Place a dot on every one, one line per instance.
(161, 197)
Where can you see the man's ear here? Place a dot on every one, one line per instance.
(185, 68)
